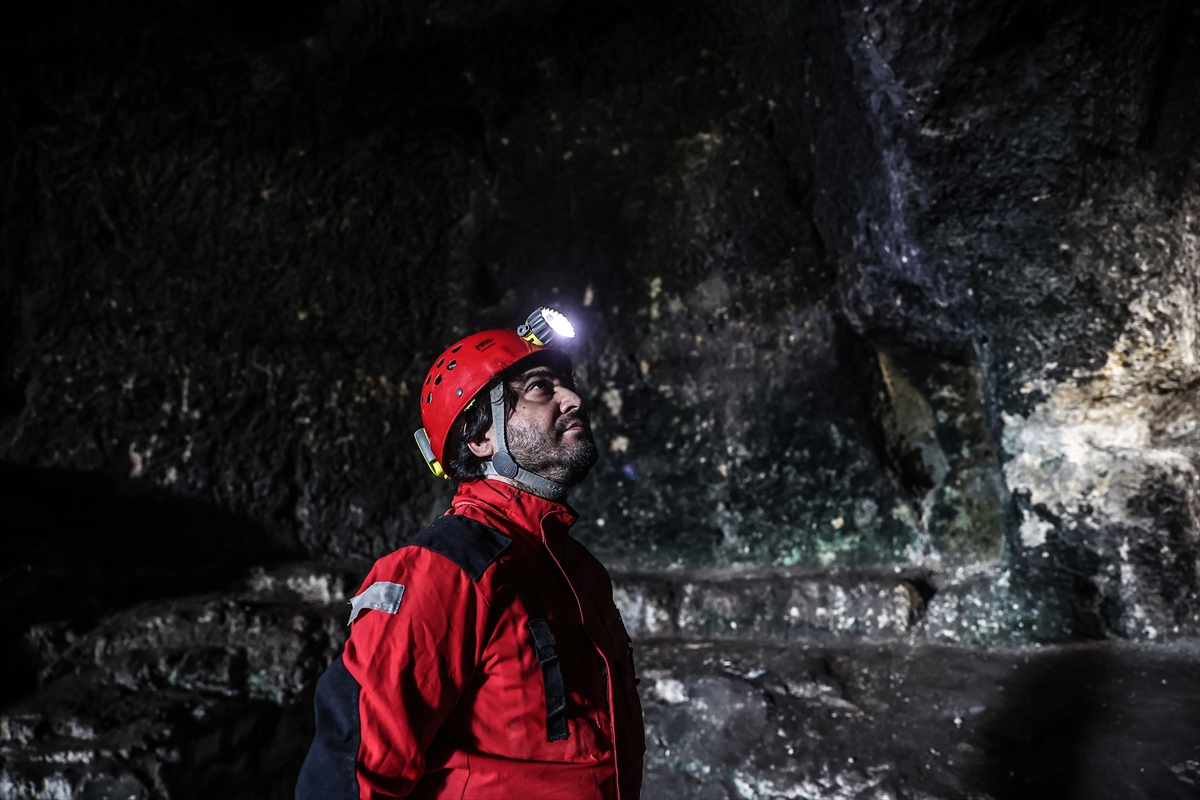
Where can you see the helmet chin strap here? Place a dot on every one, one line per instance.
(504, 465)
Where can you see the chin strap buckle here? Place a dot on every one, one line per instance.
(504, 464)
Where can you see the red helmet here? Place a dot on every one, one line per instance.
(468, 366)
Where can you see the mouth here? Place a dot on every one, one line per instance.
(573, 425)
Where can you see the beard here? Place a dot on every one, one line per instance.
(561, 457)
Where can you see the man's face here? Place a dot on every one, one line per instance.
(548, 430)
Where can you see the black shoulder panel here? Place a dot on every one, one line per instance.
(470, 544)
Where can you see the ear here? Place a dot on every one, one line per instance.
(484, 446)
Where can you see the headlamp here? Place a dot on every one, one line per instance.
(544, 326)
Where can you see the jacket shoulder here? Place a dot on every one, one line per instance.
(471, 545)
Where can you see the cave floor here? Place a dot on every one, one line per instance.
(1096, 720)
(172, 713)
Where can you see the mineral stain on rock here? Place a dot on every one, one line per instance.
(889, 319)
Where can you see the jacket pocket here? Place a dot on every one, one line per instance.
(552, 680)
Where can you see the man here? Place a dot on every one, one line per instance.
(486, 658)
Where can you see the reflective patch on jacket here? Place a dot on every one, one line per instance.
(380, 596)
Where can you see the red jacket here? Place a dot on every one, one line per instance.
(485, 660)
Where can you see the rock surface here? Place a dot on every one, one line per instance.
(200, 697)
(1083, 721)
(209, 696)
(859, 285)
(890, 321)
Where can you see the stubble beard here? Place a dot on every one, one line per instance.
(560, 456)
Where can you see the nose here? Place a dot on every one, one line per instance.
(568, 400)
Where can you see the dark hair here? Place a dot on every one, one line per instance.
(460, 463)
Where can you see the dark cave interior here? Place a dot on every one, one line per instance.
(889, 319)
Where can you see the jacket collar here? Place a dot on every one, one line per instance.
(509, 510)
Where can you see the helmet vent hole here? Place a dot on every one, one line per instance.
(437, 381)
(457, 347)
(428, 378)
(440, 360)
(429, 398)
(452, 364)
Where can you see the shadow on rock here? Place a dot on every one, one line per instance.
(1093, 722)
(77, 546)
(198, 697)
(250, 750)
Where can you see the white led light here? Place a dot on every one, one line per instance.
(561, 325)
(544, 326)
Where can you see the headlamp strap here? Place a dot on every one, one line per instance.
(500, 420)
(502, 462)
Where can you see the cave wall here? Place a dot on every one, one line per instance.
(890, 284)
(1037, 164)
(889, 320)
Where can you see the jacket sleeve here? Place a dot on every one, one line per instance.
(379, 706)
